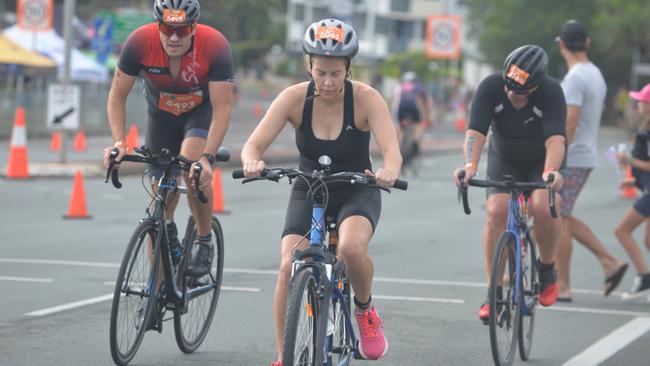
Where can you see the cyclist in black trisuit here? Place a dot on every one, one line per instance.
(526, 111)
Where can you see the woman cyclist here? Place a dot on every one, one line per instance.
(332, 116)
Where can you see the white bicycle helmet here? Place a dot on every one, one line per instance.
(331, 37)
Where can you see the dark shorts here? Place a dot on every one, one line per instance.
(498, 167)
(165, 130)
(343, 203)
(642, 205)
(574, 180)
(408, 111)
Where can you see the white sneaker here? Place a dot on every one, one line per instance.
(640, 288)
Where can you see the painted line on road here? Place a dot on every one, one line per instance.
(612, 343)
(596, 311)
(25, 279)
(419, 299)
(241, 289)
(274, 273)
(411, 281)
(71, 305)
(59, 262)
(225, 288)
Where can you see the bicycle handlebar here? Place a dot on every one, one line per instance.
(510, 184)
(162, 160)
(275, 174)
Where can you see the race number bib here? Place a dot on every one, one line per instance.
(178, 104)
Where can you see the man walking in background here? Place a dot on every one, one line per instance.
(584, 89)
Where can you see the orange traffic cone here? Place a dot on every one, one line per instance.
(217, 192)
(460, 124)
(77, 208)
(132, 138)
(257, 110)
(55, 143)
(17, 167)
(79, 143)
(628, 189)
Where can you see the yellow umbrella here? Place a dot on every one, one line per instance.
(11, 53)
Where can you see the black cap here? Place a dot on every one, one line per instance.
(574, 35)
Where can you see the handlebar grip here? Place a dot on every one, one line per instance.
(465, 201)
(202, 197)
(401, 184)
(238, 174)
(115, 178)
(551, 196)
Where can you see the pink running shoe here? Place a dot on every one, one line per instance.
(276, 363)
(373, 344)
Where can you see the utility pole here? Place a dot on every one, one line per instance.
(68, 14)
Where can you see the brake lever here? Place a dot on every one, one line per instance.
(198, 194)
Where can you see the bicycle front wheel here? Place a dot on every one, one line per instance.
(133, 299)
(300, 328)
(192, 326)
(504, 310)
(528, 298)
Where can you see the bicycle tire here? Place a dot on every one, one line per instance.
(192, 327)
(528, 290)
(504, 309)
(301, 324)
(137, 261)
(340, 341)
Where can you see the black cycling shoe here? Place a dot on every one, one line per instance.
(200, 261)
(174, 243)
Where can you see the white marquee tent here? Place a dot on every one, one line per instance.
(50, 44)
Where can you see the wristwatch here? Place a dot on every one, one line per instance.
(211, 158)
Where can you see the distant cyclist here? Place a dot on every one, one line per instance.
(412, 106)
(188, 73)
(526, 111)
(333, 116)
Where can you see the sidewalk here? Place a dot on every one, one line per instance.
(43, 163)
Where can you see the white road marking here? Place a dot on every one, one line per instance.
(241, 289)
(596, 311)
(59, 262)
(71, 305)
(429, 282)
(419, 299)
(225, 288)
(25, 279)
(612, 343)
(410, 281)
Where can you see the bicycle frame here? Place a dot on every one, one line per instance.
(517, 226)
(175, 298)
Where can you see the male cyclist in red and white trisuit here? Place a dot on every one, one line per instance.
(526, 111)
(188, 73)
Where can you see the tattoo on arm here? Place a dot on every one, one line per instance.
(469, 149)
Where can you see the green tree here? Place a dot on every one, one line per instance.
(615, 27)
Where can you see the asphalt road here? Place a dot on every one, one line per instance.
(56, 277)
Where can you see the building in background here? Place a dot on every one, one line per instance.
(385, 27)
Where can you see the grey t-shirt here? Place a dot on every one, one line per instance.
(584, 87)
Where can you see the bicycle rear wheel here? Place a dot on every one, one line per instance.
(192, 326)
(504, 309)
(300, 328)
(340, 341)
(528, 299)
(133, 300)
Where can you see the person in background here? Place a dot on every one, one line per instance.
(639, 161)
(584, 90)
(526, 112)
